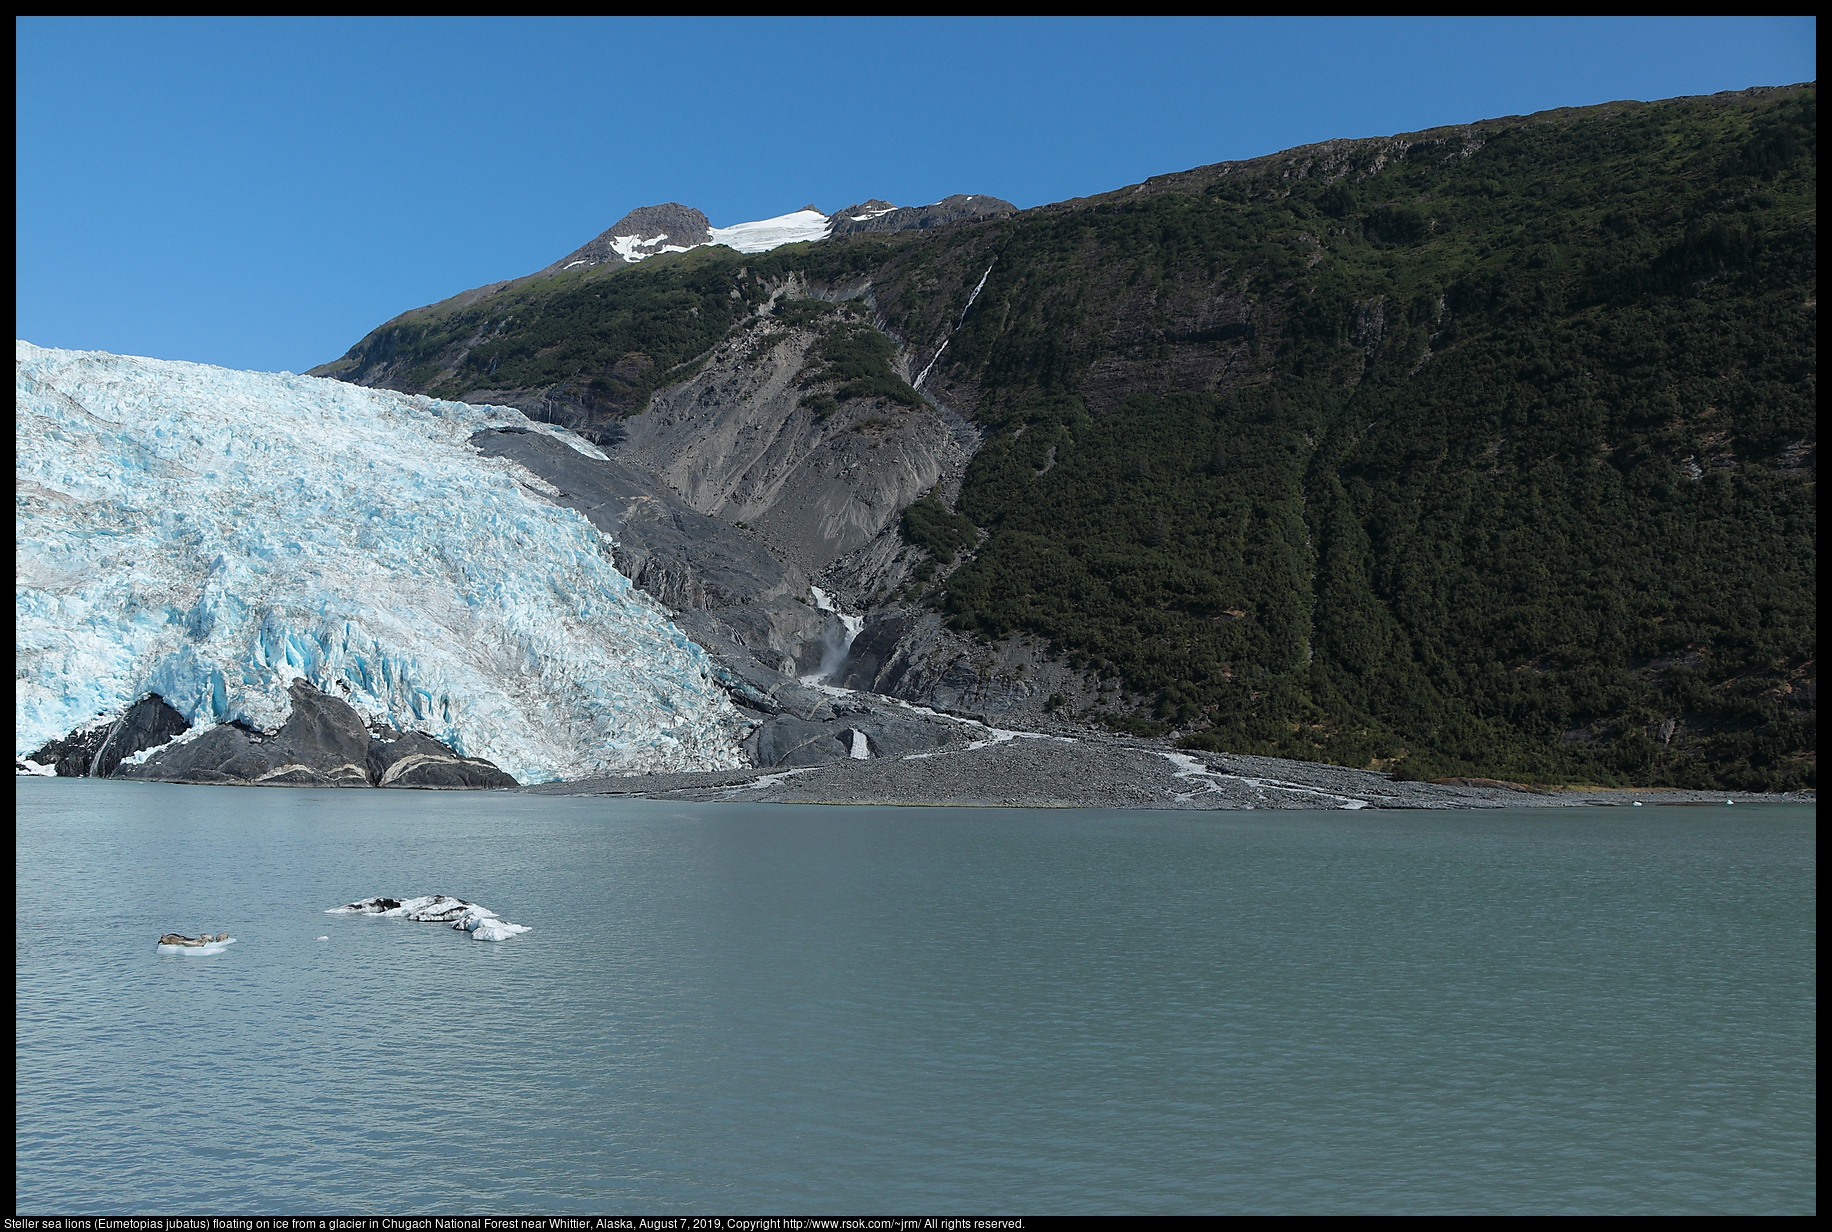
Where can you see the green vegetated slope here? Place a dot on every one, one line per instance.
(1510, 480)
(599, 342)
(1488, 450)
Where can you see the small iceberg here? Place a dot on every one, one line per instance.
(488, 928)
(428, 908)
(463, 915)
(208, 943)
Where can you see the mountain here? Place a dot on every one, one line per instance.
(641, 233)
(1488, 450)
(397, 355)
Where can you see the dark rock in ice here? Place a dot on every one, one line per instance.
(426, 908)
(224, 754)
(324, 743)
(466, 917)
(95, 753)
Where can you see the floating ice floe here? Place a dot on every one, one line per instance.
(488, 928)
(464, 916)
(209, 943)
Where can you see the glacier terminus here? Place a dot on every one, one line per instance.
(219, 538)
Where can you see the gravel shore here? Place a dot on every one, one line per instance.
(1035, 770)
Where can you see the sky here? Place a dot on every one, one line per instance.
(261, 193)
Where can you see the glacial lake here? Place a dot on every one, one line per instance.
(768, 1009)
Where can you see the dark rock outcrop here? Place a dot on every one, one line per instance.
(644, 231)
(853, 727)
(414, 759)
(224, 754)
(324, 743)
(739, 441)
(95, 753)
(878, 215)
(729, 591)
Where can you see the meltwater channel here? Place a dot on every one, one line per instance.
(775, 1009)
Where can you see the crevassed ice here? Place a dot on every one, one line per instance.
(211, 535)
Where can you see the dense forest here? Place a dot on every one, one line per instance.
(1488, 450)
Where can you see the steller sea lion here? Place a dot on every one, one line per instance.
(205, 939)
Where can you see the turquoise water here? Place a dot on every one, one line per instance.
(772, 1009)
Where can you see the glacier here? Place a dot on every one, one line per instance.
(212, 535)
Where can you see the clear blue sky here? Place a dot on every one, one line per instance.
(261, 193)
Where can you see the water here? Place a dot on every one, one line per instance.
(760, 1009)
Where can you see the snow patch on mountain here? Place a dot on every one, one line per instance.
(796, 228)
(212, 535)
(635, 247)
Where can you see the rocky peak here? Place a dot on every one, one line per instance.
(876, 215)
(863, 210)
(642, 232)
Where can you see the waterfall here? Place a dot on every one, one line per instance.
(921, 376)
(917, 383)
(836, 639)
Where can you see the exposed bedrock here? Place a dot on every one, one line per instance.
(97, 750)
(736, 442)
(728, 589)
(854, 728)
(642, 232)
(729, 501)
(910, 654)
(876, 215)
(324, 743)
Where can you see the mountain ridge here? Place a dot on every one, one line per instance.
(1248, 396)
(654, 230)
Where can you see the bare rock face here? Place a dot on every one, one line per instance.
(913, 656)
(95, 753)
(858, 728)
(669, 549)
(642, 232)
(224, 754)
(878, 215)
(324, 743)
(728, 499)
(728, 589)
(735, 442)
(413, 759)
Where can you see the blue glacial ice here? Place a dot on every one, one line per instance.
(211, 535)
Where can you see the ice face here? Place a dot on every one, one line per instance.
(211, 535)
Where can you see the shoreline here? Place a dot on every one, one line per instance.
(1033, 770)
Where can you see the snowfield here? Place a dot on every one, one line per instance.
(211, 535)
(796, 228)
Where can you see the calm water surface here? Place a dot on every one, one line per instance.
(747, 1008)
